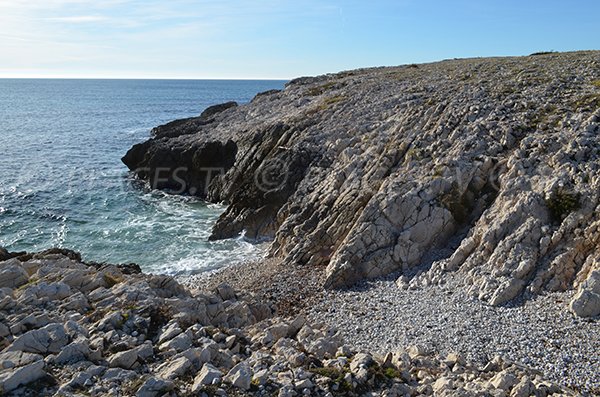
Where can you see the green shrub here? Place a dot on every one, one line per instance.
(334, 374)
(392, 373)
(111, 280)
(542, 53)
(458, 204)
(562, 202)
(318, 90)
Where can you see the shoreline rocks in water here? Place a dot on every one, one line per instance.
(68, 328)
(363, 173)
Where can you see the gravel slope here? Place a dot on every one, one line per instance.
(538, 332)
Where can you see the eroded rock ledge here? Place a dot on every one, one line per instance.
(369, 171)
(69, 328)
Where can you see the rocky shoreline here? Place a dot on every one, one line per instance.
(433, 230)
(363, 173)
(69, 328)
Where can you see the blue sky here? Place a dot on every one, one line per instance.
(275, 38)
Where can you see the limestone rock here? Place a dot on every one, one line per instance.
(586, 303)
(504, 380)
(124, 359)
(175, 368)
(13, 378)
(208, 375)
(13, 359)
(154, 387)
(73, 352)
(49, 339)
(240, 376)
(12, 274)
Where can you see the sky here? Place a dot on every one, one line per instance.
(275, 39)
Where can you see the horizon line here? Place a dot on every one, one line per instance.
(142, 78)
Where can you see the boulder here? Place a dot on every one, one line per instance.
(240, 376)
(208, 375)
(14, 359)
(504, 380)
(169, 332)
(174, 368)
(49, 339)
(13, 378)
(124, 359)
(179, 343)
(154, 387)
(586, 303)
(12, 274)
(73, 352)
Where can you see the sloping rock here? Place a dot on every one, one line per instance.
(240, 376)
(49, 339)
(154, 387)
(124, 359)
(175, 368)
(11, 379)
(586, 303)
(208, 375)
(491, 162)
(12, 274)
(13, 359)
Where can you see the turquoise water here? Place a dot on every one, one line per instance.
(62, 182)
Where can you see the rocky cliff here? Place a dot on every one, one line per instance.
(487, 167)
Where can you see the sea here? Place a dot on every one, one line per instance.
(62, 182)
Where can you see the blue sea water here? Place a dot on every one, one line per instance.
(62, 182)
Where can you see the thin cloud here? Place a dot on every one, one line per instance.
(78, 19)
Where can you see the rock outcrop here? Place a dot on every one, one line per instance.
(493, 163)
(74, 329)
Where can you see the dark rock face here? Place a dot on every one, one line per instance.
(6, 255)
(188, 167)
(216, 109)
(259, 184)
(193, 124)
